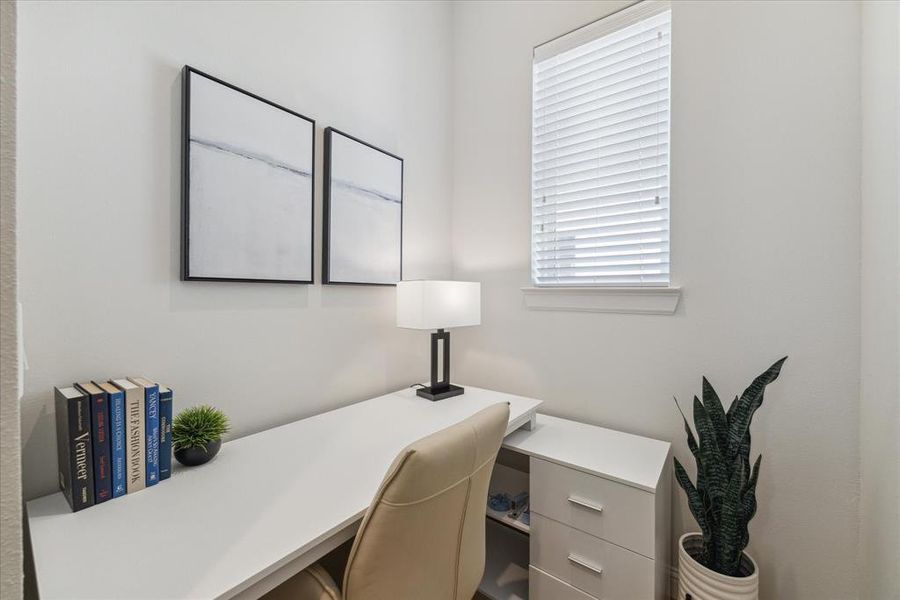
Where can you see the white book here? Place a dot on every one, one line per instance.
(135, 459)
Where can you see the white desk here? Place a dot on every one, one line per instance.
(267, 507)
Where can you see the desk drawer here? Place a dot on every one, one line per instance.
(595, 566)
(542, 586)
(619, 513)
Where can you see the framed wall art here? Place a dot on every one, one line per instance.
(362, 238)
(247, 186)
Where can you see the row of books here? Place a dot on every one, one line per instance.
(113, 438)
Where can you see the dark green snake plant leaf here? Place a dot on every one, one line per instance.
(712, 463)
(747, 404)
(723, 501)
(716, 413)
(695, 503)
(730, 532)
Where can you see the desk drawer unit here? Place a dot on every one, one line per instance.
(606, 509)
(598, 567)
(543, 585)
(599, 512)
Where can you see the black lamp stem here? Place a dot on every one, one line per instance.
(440, 388)
(437, 337)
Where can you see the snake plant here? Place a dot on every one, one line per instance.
(724, 498)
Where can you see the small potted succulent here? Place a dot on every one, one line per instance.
(197, 434)
(712, 563)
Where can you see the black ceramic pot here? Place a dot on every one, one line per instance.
(191, 457)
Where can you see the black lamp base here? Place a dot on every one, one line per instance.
(440, 392)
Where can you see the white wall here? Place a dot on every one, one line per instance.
(880, 352)
(99, 128)
(10, 454)
(765, 197)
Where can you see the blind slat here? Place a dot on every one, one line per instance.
(602, 127)
(605, 75)
(644, 279)
(645, 104)
(622, 54)
(591, 199)
(588, 93)
(607, 241)
(644, 173)
(646, 137)
(608, 164)
(553, 213)
(582, 177)
(630, 216)
(654, 226)
(633, 258)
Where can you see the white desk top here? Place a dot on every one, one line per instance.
(212, 531)
(630, 459)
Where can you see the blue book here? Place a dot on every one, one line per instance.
(165, 432)
(151, 427)
(100, 441)
(116, 398)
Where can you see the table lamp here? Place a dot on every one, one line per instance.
(438, 305)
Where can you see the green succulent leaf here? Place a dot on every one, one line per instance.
(729, 415)
(746, 405)
(732, 523)
(716, 413)
(748, 500)
(695, 503)
(691, 440)
(711, 460)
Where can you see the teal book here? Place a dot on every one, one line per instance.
(165, 432)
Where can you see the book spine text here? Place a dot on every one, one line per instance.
(101, 450)
(134, 442)
(152, 433)
(165, 434)
(117, 442)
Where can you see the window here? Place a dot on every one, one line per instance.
(600, 153)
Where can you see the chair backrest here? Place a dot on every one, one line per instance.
(423, 536)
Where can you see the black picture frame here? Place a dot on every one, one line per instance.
(326, 208)
(187, 72)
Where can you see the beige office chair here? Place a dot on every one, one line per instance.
(423, 535)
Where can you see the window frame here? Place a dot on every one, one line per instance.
(577, 296)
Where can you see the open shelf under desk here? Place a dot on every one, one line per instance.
(506, 563)
(508, 521)
(510, 476)
(506, 538)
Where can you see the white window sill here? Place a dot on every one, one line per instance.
(644, 301)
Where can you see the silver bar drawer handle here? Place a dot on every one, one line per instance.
(583, 563)
(586, 504)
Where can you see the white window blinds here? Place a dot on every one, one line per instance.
(600, 153)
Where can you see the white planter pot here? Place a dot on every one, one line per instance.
(696, 582)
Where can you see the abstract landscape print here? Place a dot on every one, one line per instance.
(248, 186)
(363, 222)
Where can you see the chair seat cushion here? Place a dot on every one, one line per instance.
(313, 583)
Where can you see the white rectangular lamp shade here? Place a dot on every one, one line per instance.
(438, 304)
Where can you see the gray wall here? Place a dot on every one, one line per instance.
(765, 243)
(880, 361)
(99, 151)
(10, 454)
